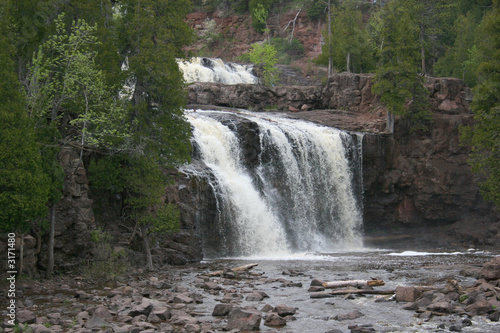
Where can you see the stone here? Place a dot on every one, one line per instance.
(82, 317)
(411, 306)
(40, 329)
(273, 320)
(161, 312)
(478, 308)
(284, 310)
(96, 322)
(407, 294)
(26, 317)
(316, 283)
(495, 316)
(103, 313)
(181, 298)
(221, 310)
(243, 320)
(210, 286)
(349, 316)
(182, 318)
(491, 270)
(141, 309)
(313, 289)
(455, 328)
(255, 297)
(441, 307)
(192, 328)
(267, 308)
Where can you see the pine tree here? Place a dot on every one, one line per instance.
(484, 137)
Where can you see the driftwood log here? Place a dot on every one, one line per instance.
(333, 293)
(235, 269)
(353, 283)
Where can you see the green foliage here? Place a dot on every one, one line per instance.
(349, 41)
(484, 137)
(164, 220)
(259, 9)
(396, 79)
(264, 55)
(287, 50)
(23, 185)
(107, 263)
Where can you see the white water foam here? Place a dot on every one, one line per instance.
(200, 69)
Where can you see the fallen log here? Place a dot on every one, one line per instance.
(235, 269)
(333, 293)
(353, 283)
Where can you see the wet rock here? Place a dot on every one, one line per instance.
(273, 320)
(407, 294)
(491, 270)
(267, 308)
(210, 286)
(284, 310)
(244, 320)
(334, 331)
(316, 283)
(495, 316)
(26, 317)
(480, 307)
(315, 289)
(441, 307)
(222, 310)
(349, 316)
(411, 306)
(255, 297)
(192, 328)
(361, 328)
(181, 298)
(455, 328)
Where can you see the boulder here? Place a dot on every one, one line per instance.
(349, 316)
(441, 307)
(273, 320)
(491, 270)
(407, 294)
(480, 307)
(284, 310)
(26, 317)
(221, 310)
(243, 320)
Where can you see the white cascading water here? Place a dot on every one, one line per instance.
(199, 69)
(298, 197)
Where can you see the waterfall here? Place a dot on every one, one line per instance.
(291, 189)
(200, 69)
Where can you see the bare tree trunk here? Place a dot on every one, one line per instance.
(390, 122)
(348, 62)
(21, 256)
(422, 48)
(147, 250)
(50, 264)
(330, 56)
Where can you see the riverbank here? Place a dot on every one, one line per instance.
(274, 296)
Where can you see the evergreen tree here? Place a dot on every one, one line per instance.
(349, 41)
(484, 136)
(396, 79)
(23, 184)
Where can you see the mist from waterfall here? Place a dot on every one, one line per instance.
(297, 195)
(201, 69)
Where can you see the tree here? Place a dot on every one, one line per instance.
(23, 184)
(141, 185)
(66, 92)
(396, 79)
(349, 44)
(484, 137)
(264, 55)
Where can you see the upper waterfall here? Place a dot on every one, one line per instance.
(200, 69)
(292, 190)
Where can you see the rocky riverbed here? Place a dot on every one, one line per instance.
(438, 292)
